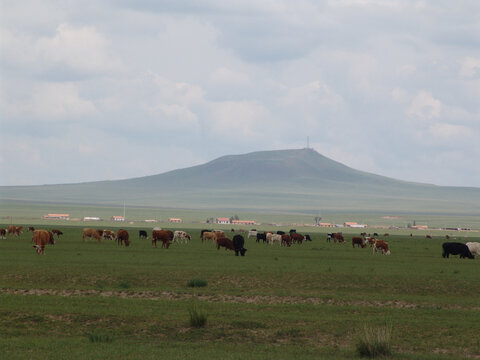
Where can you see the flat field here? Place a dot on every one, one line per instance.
(85, 300)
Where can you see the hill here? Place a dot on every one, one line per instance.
(283, 180)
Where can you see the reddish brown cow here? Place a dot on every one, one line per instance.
(226, 243)
(382, 246)
(108, 234)
(15, 230)
(338, 237)
(92, 233)
(57, 232)
(356, 240)
(123, 237)
(428, 236)
(165, 236)
(31, 228)
(297, 238)
(41, 238)
(286, 240)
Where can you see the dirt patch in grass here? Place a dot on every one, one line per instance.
(243, 299)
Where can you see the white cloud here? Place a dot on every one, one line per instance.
(424, 107)
(470, 67)
(450, 132)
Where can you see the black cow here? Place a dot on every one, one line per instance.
(142, 234)
(280, 232)
(262, 237)
(308, 238)
(456, 248)
(238, 242)
(292, 231)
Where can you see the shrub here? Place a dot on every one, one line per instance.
(375, 342)
(124, 285)
(96, 337)
(197, 283)
(198, 318)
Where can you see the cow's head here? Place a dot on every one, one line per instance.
(243, 251)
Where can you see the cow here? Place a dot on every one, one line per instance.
(204, 231)
(297, 238)
(370, 240)
(447, 237)
(336, 237)
(238, 245)
(308, 238)
(165, 236)
(14, 230)
(286, 240)
(356, 240)
(428, 236)
(474, 247)
(41, 238)
(268, 237)
(31, 228)
(209, 235)
(262, 237)
(381, 245)
(3, 233)
(123, 237)
(181, 237)
(292, 231)
(252, 233)
(57, 232)
(108, 234)
(226, 243)
(456, 248)
(92, 233)
(280, 232)
(142, 234)
(276, 238)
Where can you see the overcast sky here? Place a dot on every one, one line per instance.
(97, 90)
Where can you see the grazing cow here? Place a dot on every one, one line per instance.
(238, 243)
(165, 236)
(108, 234)
(375, 234)
(356, 240)
(142, 234)
(204, 231)
(447, 237)
(92, 233)
(3, 233)
(31, 228)
(268, 237)
(336, 237)
(370, 240)
(292, 231)
(181, 237)
(57, 232)
(428, 236)
(381, 245)
(123, 237)
(209, 235)
(41, 238)
(226, 243)
(252, 233)
(262, 237)
(276, 238)
(308, 238)
(297, 238)
(386, 234)
(286, 240)
(280, 232)
(14, 230)
(456, 248)
(474, 247)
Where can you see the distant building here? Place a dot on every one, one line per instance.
(175, 220)
(420, 227)
(223, 220)
(243, 222)
(91, 218)
(151, 221)
(326, 225)
(57, 216)
(118, 218)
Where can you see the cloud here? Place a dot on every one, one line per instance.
(470, 68)
(424, 107)
(226, 76)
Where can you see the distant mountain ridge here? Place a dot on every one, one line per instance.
(280, 180)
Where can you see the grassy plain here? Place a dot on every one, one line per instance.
(308, 302)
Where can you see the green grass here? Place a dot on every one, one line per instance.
(308, 301)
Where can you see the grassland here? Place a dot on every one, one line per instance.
(98, 300)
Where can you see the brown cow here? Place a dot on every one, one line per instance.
(15, 230)
(41, 238)
(382, 246)
(286, 240)
(92, 233)
(57, 232)
(123, 237)
(31, 228)
(297, 238)
(3, 233)
(428, 236)
(338, 237)
(108, 234)
(209, 235)
(356, 240)
(226, 243)
(165, 236)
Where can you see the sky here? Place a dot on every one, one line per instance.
(106, 90)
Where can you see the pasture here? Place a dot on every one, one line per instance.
(98, 300)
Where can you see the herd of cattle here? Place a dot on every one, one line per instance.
(42, 238)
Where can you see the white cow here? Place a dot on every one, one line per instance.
(180, 237)
(276, 238)
(474, 247)
(252, 233)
